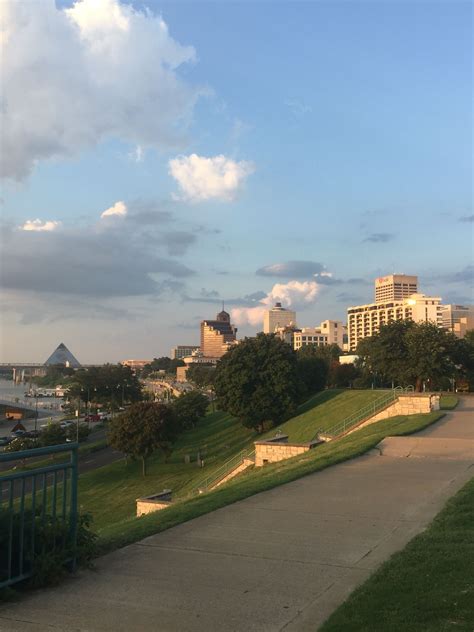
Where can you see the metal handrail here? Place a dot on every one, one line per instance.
(34, 500)
(363, 413)
(224, 470)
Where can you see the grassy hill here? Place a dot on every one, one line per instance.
(110, 492)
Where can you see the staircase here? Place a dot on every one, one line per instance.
(229, 470)
(362, 415)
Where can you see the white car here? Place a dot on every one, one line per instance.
(67, 424)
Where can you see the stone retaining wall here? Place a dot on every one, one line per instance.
(405, 405)
(148, 504)
(276, 449)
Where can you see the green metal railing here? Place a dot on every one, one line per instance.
(363, 413)
(38, 511)
(218, 475)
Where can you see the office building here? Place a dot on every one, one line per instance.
(278, 317)
(458, 318)
(395, 287)
(183, 351)
(135, 364)
(329, 332)
(217, 335)
(366, 320)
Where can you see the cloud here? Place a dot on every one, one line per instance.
(298, 108)
(119, 209)
(294, 294)
(380, 238)
(40, 226)
(91, 262)
(292, 269)
(74, 77)
(466, 275)
(467, 218)
(201, 178)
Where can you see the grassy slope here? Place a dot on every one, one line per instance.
(325, 410)
(109, 493)
(131, 530)
(427, 586)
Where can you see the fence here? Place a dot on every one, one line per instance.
(363, 413)
(230, 465)
(38, 512)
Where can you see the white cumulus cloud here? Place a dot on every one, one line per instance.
(119, 209)
(202, 178)
(74, 77)
(294, 294)
(39, 226)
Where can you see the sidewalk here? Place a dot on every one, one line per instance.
(280, 560)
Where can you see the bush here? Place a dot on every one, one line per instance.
(45, 557)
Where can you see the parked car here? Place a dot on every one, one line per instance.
(67, 423)
(5, 440)
(18, 433)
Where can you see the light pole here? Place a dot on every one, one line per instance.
(36, 415)
(78, 411)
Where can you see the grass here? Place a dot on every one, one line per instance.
(110, 492)
(429, 586)
(325, 410)
(130, 529)
(448, 402)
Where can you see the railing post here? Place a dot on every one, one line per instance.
(73, 513)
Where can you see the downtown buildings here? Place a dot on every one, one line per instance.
(396, 298)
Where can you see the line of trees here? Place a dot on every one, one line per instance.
(418, 354)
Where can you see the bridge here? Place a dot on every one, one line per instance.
(52, 410)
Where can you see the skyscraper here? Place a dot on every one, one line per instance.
(277, 317)
(217, 335)
(395, 287)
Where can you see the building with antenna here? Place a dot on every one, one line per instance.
(217, 335)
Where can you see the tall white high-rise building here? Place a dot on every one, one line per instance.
(277, 317)
(396, 298)
(395, 287)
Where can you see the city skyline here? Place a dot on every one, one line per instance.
(295, 174)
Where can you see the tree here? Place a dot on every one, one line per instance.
(142, 429)
(73, 435)
(404, 352)
(109, 385)
(201, 375)
(342, 375)
(53, 434)
(312, 370)
(256, 381)
(161, 364)
(190, 408)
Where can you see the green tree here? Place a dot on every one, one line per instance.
(312, 370)
(190, 408)
(53, 434)
(72, 433)
(256, 381)
(161, 364)
(385, 356)
(108, 385)
(143, 428)
(404, 352)
(342, 375)
(201, 375)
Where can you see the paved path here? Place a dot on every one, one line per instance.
(280, 560)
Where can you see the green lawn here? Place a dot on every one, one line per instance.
(109, 493)
(117, 533)
(325, 410)
(429, 586)
(448, 402)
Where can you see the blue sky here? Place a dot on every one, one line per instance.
(345, 131)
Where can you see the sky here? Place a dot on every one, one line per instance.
(158, 158)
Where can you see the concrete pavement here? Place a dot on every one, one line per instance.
(280, 560)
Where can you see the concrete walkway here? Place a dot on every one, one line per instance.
(280, 560)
